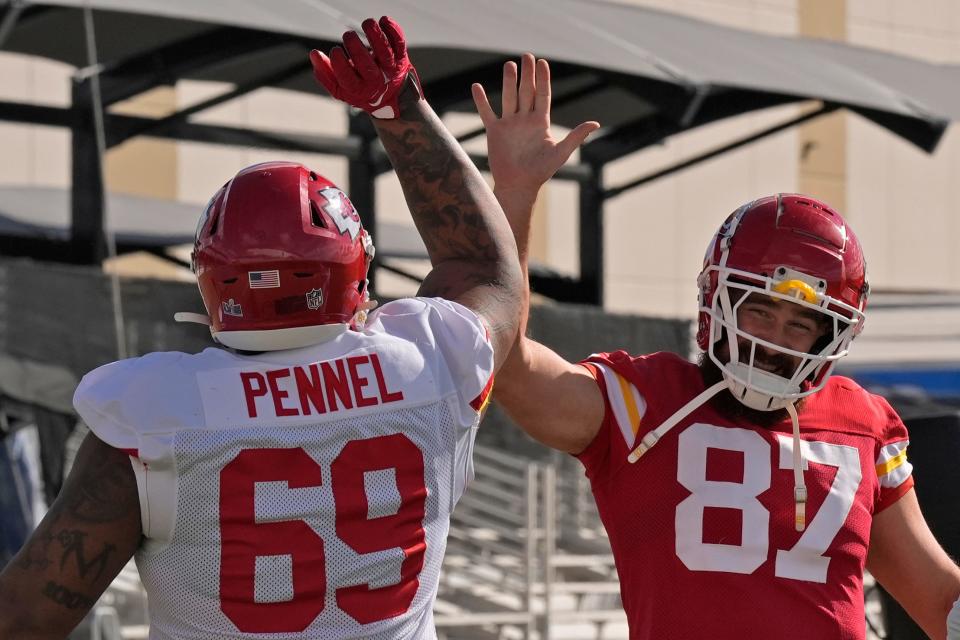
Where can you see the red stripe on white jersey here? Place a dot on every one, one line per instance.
(481, 400)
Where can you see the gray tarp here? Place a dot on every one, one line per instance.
(36, 383)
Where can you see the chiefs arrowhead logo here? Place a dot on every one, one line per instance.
(341, 211)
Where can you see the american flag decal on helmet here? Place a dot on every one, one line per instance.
(264, 279)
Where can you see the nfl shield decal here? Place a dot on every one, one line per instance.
(314, 299)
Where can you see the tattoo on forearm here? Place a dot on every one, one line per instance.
(445, 202)
(457, 215)
(67, 598)
(72, 544)
(52, 541)
(100, 494)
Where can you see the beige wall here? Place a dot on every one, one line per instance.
(33, 155)
(902, 200)
(145, 166)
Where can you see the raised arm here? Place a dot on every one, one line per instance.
(84, 541)
(466, 235)
(554, 401)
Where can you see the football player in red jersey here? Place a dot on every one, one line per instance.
(298, 484)
(743, 497)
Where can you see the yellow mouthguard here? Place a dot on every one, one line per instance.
(797, 289)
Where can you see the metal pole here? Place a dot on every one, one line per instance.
(10, 17)
(531, 548)
(87, 242)
(591, 234)
(362, 176)
(550, 542)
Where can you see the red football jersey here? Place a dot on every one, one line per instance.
(702, 526)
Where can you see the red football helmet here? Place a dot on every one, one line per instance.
(793, 248)
(281, 259)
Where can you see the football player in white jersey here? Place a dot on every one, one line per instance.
(297, 484)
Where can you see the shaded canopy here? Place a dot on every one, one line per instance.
(625, 62)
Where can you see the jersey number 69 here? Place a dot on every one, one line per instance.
(244, 539)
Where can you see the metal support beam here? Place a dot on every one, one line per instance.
(631, 137)
(557, 287)
(349, 146)
(87, 242)
(239, 90)
(591, 235)
(9, 20)
(35, 114)
(362, 177)
(680, 166)
(454, 89)
(124, 79)
(403, 273)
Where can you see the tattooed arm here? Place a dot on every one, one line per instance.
(84, 541)
(462, 225)
(468, 239)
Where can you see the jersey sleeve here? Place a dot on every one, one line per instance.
(894, 471)
(98, 401)
(624, 408)
(460, 338)
(136, 406)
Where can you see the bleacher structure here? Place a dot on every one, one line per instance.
(527, 557)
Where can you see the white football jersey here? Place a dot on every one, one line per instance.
(302, 493)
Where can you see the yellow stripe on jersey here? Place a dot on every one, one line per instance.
(625, 402)
(889, 465)
(892, 466)
(632, 411)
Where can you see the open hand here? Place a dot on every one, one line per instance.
(523, 153)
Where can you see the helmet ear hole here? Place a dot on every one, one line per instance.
(315, 218)
(214, 224)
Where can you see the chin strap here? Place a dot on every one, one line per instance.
(363, 311)
(799, 487)
(651, 438)
(189, 316)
